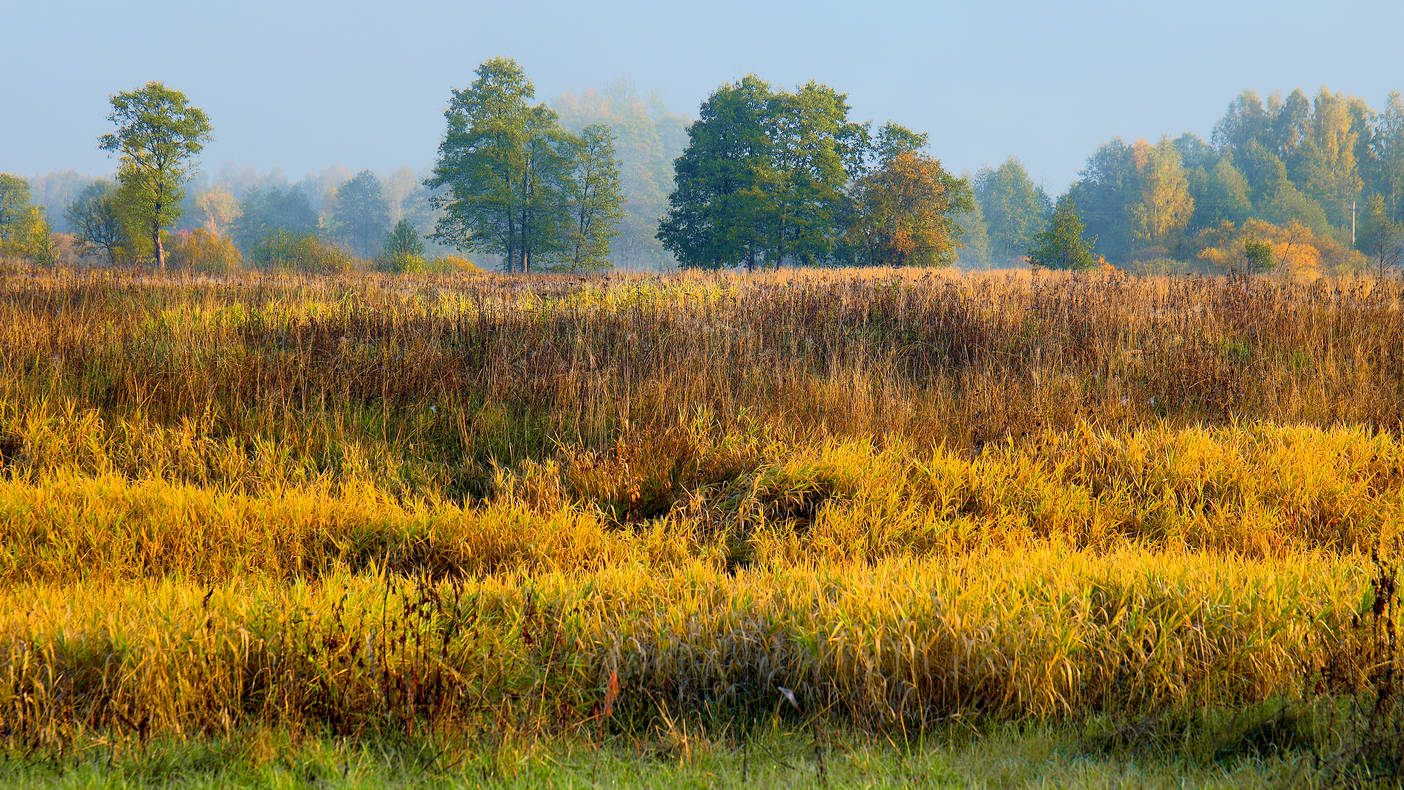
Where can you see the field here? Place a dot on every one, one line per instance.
(888, 527)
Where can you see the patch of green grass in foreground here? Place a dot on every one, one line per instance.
(1009, 757)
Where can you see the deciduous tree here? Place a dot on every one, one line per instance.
(502, 170)
(1165, 207)
(908, 212)
(360, 216)
(1015, 208)
(1062, 245)
(24, 231)
(595, 199)
(1332, 176)
(157, 137)
(97, 219)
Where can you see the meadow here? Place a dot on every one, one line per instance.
(489, 526)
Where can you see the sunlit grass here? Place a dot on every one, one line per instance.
(874, 503)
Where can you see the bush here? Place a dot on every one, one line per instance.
(284, 251)
(450, 264)
(202, 250)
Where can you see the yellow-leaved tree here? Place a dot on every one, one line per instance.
(1292, 249)
(1165, 207)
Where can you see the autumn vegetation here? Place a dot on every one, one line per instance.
(895, 459)
(512, 508)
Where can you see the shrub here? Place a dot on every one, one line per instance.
(202, 250)
(284, 251)
(449, 264)
(403, 249)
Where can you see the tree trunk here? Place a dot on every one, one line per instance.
(160, 248)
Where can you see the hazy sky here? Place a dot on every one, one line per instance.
(303, 85)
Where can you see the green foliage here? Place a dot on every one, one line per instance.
(1062, 246)
(1106, 192)
(24, 232)
(96, 219)
(894, 139)
(305, 253)
(1388, 140)
(267, 212)
(772, 178)
(403, 249)
(975, 238)
(1165, 206)
(158, 134)
(360, 215)
(713, 219)
(1259, 255)
(1381, 237)
(593, 193)
(1220, 194)
(14, 203)
(1331, 172)
(647, 139)
(504, 164)
(1245, 122)
(1015, 209)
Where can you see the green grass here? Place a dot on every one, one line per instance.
(1031, 756)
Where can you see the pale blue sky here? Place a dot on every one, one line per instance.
(304, 85)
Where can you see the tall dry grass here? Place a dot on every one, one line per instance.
(371, 502)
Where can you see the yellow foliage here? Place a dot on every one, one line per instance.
(203, 250)
(1296, 250)
(357, 504)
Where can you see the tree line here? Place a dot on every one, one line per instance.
(1319, 181)
(764, 177)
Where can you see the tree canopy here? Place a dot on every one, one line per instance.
(1061, 245)
(360, 215)
(508, 177)
(772, 177)
(158, 134)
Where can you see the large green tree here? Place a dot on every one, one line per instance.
(1330, 157)
(715, 216)
(24, 231)
(360, 215)
(814, 153)
(159, 133)
(1106, 192)
(1220, 194)
(596, 202)
(1246, 121)
(1388, 140)
(503, 170)
(1165, 206)
(1015, 208)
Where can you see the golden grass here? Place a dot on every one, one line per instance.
(365, 503)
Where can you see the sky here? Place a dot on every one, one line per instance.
(304, 85)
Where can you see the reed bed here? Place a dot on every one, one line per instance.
(557, 505)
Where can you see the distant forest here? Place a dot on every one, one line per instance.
(768, 177)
